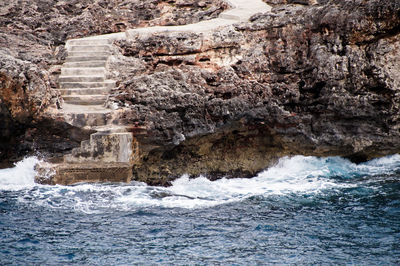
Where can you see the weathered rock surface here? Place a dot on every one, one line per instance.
(32, 38)
(316, 79)
(311, 77)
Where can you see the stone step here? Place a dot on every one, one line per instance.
(84, 91)
(82, 71)
(88, 42)
(89, 48)
(86, 57)
(87, 120)
(94, 99)
(84, 109)
(104, 147)
(88, 54)
(85, 146)
(76, 85)
(229, 16)
(84, 64)
(63, 79)
(89, 172)
(115, 128)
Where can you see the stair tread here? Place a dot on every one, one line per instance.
(81, 64)
(82, 109)
(91, 53)
(93, 61)
(84, 68)
(88, 61)
(84, 95)
(90, 45)
(79, 89)
(86, 58)
(87, 82)
(82, 76)
(110, 129)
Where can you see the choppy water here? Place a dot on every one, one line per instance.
(305, 210)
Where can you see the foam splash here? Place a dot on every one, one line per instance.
(298, 174)
(21, 176)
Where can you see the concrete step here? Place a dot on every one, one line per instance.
(83, 71)
(88, 42)
(104, 147)
(88, 54)
(95, 99)
(230, 16)
(83, 109)
(87, 120)
(64, 79)
(110, 128)
(86, 57)
(76, 85)
(89, 48)
(85, 64)
(85, 91)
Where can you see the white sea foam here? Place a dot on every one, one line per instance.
(21, 176)
(298, 174)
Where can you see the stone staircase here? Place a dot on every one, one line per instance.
(109, 154)
(84, 88)
(83, 76)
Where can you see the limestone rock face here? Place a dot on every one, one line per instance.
(311, 77)
(32, 38)
(318, 79)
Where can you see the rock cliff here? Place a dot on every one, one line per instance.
(310, 77)
(32, 39)
(314, 79)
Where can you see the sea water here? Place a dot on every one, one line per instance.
(304, 210)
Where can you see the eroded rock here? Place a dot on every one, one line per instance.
(316, 80)
(311, 77)
(32, 38)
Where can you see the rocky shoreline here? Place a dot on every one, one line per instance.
(311, 78)
(32, 50)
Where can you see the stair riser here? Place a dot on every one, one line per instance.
(87, 120)
(85, 97)
(88, 54)
(83, 71)
(84, 102)
(81, 79)
(89, 48)
(82, 91)
(86, 85)
(88, 42)
(85, 64)
(86, 58)
(118, 148)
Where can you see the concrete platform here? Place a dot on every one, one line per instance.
(68, 174)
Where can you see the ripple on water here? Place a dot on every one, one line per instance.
(304, 210)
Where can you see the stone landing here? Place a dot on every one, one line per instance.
(67, 174)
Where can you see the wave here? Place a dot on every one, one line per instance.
(21, 176)
(297, 174)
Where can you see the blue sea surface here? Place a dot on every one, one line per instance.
(304, 210)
